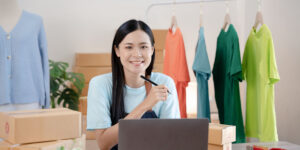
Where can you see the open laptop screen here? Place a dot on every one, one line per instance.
(163, 134)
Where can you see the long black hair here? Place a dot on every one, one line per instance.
(117, 109)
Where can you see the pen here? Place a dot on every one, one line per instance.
(148, 80)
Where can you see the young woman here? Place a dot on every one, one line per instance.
(123, 94)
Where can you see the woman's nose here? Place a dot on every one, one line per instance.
(137, 52)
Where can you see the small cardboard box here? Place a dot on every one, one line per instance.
(220, 134)
(90, 135)
(93, 59)
(160, 38)
(227, 146)
(18, 127)
(4, 145)
(159, 56)
(83, 105)
(90, 72)
(158, 68)
(69, 144)
(85, 90)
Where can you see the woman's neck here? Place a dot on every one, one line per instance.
(134, 80)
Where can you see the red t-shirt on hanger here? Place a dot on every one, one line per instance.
(175, 66)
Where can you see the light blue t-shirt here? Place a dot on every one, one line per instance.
(202, 72)
(100, 94)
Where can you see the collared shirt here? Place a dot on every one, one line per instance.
(24, 68)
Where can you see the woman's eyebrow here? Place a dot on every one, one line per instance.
(128, 43)
(144, 43)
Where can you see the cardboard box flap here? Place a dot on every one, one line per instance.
(39, 112)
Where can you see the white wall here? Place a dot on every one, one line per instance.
(89, 26)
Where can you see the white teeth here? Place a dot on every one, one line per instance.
(136, 62)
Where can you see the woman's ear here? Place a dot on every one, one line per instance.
(117, 51)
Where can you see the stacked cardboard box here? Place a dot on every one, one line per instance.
(220, 137)
(69, 144)
(160, 40)
(91, 65)
(44, 129)
(90, 135)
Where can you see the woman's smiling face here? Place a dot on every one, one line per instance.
(135, 52)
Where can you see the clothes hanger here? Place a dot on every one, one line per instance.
(227, 20)
(201, 16)
(173, 19)
(173, 23)
(259, 17)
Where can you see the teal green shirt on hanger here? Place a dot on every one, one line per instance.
(227, 73)
(201, 68)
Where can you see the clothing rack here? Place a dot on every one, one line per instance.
(179, 3)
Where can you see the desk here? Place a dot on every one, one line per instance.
(280, 144)
(92, 145)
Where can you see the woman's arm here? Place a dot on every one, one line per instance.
(107, 138)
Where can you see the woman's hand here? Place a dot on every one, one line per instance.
(156, 94)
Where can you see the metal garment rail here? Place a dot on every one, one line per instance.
(180, 2)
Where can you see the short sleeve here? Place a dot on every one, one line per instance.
(272, 66)
(170, 107)
(98, 109)
(244, 63)
(235, 63)
(201, 64)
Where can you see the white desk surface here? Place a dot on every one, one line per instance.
(92, 145)
(280, 144)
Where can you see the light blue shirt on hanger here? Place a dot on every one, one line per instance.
(201, 68)
(24, 68)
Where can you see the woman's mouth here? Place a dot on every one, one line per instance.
(136, 63)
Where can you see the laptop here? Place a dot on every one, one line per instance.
(163, 134)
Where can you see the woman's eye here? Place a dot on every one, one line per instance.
(144, 47)
(128, 47)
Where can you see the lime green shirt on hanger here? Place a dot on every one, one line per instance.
(227, 73)
(260, 72)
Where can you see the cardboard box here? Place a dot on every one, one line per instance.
(90, 72)
(4, 145)
(220, 134)
(85, 90)
(40, 125)
(158, 68)
(159, 56)
(83, 105)
(160, 38)
(70, 144)
(90, 135)
(93, 59)
(227, 146)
